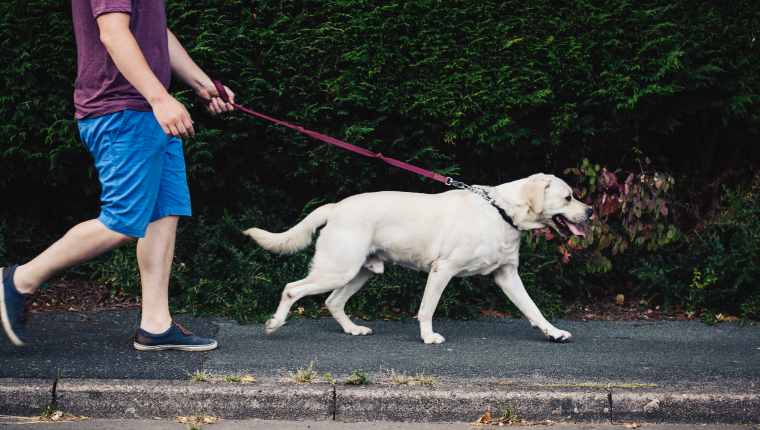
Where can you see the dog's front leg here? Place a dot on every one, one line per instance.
(509, 281)
(437, 280)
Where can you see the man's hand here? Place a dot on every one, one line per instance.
(191, 74)
(173, 117)
(208, 91)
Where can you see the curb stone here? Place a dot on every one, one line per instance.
(275, 399)
(24, 396)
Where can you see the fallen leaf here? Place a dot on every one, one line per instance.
(620, 299)
(197, 420)
(247, 379)
(485, 418)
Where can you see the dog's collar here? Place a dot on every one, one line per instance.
(484, 193)
(504, 216)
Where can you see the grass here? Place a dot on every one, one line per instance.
(357, 377)
(51, 414)
(329, 378)
(240, 379)
(200, 376)
(416, 379)
(305, 376)
(508, 417)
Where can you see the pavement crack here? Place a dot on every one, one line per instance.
(609, 406)
(334, 402)
(54, 394)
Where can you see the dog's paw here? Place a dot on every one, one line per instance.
(561, 336)
(358, 330)
(433, 338)
(272, 325)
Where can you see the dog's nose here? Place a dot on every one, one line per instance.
(589, 212)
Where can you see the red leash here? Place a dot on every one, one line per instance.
(339, 143)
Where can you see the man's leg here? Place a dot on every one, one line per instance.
(157, 331)
(155, 253)
(83, 242)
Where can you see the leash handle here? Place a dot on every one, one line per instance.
(447, 180)
(222, 91)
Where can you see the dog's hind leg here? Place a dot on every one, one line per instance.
(337, 301)
(338, 258)
(315, 283)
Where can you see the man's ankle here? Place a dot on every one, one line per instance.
(21, 283)
(155, 327)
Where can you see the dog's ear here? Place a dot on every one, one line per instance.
(534, 190)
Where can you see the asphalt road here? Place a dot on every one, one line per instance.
(71, 345)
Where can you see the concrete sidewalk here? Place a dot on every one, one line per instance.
(647, 371)
(98, 424)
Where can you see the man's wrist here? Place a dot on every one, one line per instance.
(158, 97)
(201, 83)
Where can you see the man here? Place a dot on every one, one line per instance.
(132, 127)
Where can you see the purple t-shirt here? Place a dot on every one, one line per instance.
(100, 88)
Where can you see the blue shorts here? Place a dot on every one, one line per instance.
(141, 170)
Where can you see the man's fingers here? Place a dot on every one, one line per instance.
(212, 106)
(188, 123)
(173, 130)
(181, 129)
(217, 104)
(229, 106)
(230, 94)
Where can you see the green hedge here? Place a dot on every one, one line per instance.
(488, 90)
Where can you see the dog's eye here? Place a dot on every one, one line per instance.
(568, 198)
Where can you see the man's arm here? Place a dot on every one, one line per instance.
(184, 67)
(129, 59)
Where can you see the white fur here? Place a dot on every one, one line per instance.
(295, 239)
(451, 234)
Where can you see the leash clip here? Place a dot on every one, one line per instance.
(473, 189)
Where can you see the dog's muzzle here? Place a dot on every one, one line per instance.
(566, 227)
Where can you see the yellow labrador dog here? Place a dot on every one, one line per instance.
(455, 233)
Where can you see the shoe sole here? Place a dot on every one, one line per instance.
(190, 348)
(4, 316)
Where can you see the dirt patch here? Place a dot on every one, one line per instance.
(84, 296)
(79, 296)
(609, 309)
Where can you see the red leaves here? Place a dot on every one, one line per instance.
(631, 210)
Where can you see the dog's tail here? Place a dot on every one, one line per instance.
(295, 239)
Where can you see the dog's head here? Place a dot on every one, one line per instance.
(546, 200)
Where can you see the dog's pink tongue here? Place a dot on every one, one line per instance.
(576, 230)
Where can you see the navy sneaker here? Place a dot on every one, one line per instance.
(176, 337)
(12, 307)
